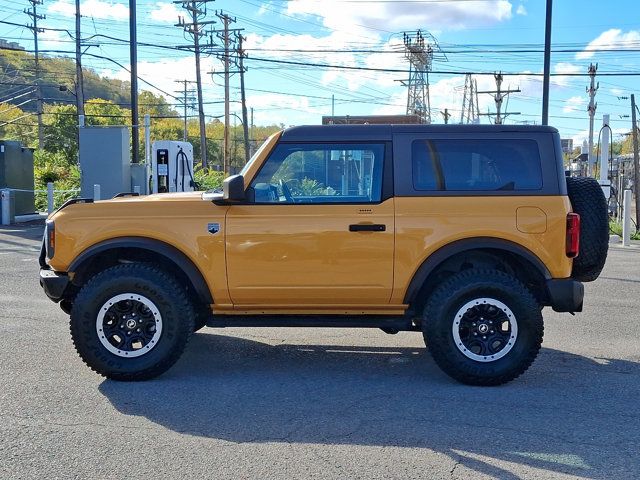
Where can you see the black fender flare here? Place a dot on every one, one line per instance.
(158, 247)
(467, 244)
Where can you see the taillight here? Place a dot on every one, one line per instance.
(573, 235)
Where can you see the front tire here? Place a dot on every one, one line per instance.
(131, 322)
(483, 327)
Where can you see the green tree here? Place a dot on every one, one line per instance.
(154, 105)
(16, 124)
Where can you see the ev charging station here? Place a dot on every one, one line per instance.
(172, 167)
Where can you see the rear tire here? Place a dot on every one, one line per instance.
(131, 322)
(587, 200)
(483, 327)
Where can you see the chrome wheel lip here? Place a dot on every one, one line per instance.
(455, 329)
(128, 353)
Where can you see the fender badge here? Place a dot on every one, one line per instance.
(213, 228)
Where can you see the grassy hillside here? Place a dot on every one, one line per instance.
(17, 71)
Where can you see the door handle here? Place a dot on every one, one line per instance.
(367, 227)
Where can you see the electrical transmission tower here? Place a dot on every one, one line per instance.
(591, 90)
(420, 49)
(498, 96)
(470, 111)
(194, 28)
(186, 102)
(33, 13)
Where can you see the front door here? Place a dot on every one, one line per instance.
(317, 230)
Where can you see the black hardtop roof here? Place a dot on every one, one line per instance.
(309, 133)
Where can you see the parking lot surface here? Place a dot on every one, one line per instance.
(318, 403)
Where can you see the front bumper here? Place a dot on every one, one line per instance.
(565, 294)
(54, 284)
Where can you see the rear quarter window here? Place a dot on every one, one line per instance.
(476, 165)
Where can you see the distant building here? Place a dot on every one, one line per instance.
(370, 119)
(567, 145)
(10, 45)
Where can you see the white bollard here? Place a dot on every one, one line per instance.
(96, 191)
(49, 197)
(626, 219)
(5, 199)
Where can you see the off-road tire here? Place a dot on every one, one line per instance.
(587, 200)
(154, 284)
(462, 288)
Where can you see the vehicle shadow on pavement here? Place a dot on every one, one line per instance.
(568, 414)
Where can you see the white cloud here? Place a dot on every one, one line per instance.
(579, 137)
(91, 8)
(165, 12)
(333, 49)
(610, 40)
(53, 38)
(521, 10)
(566, 68)
(618, 92)
(63, 7)
(164, 73)
(394, 16)
(273, 108)
(574, 104)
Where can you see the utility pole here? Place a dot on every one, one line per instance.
(186, 99)
(591, 90)
(636, 162)
(133, 56)
(224, 35)
(79, 78)
(499, 95)
(197, 12)
(33, 13)
(547, 65)
(446, 115)
(245, 126)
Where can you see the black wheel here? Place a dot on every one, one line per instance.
(588, 201)
(483, 327)
(131, 322)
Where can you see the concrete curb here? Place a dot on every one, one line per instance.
(31, 217)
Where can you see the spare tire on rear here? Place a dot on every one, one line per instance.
(587, 200)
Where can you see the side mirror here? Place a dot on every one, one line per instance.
(233, 188)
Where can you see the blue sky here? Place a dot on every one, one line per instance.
(474, 34)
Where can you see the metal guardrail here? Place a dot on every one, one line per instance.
(5, 199)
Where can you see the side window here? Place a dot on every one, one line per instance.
(321, 173)
(476, 165)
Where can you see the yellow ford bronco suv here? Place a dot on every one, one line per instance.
(463, 233)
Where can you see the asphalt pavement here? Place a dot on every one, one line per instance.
(295, 403)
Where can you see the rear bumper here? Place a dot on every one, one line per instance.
(54, 284)
(565, 294)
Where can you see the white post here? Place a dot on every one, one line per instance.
(96, 191)
(626, 219)
(605, 183)
(49, 197)
(5, 198)
(147, 138)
